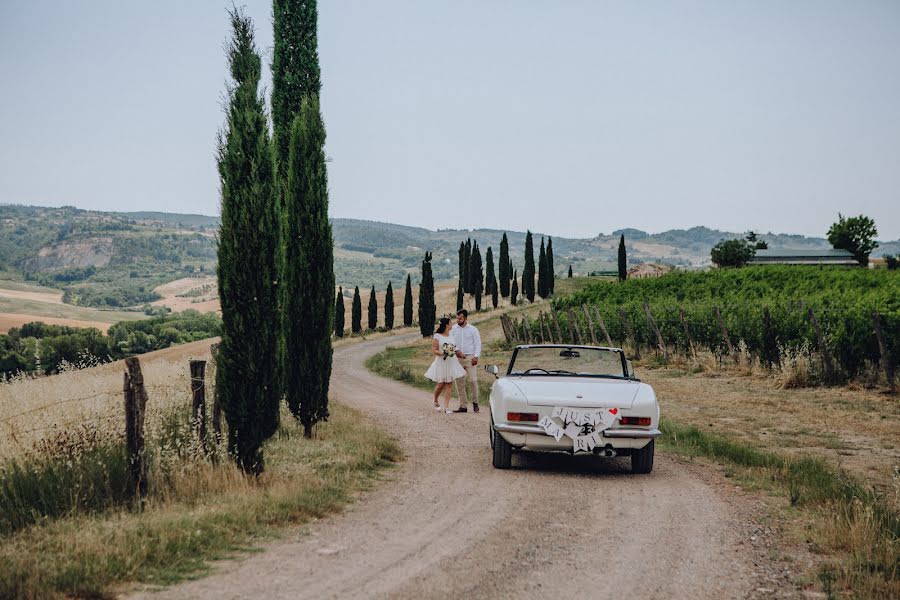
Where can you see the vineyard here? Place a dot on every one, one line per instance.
(848, 318)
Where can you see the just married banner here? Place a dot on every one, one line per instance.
(584, 427)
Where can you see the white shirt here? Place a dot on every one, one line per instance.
(467, 340)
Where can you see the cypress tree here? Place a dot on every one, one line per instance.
(490, 279)
(495, 292)
(469, 285)
(459, 296)
(339, 314)
(505, 273)
(570, 271)
(295, 69)
(373, 310)
(514, 291)
(408, 303)
(426, 299)
(356, 312)
(528, 271)
(476, 274)
(308, 272)
(623, 261)
(389, 307)
(551, 272)
(463, 263)
(246, 379)
(542, 287)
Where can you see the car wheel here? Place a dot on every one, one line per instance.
(642, 460)
(502, 452)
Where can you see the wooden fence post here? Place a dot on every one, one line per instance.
(541, 325)
(558, 337)
(687, 333)
(728, 343)
(823, 348)
(659, 338)
(216, 407)
(590, 323)
(574, 327)
(602, 324)
(886, 362)
(198, 404)
(630, 332)
(135, 407)
(527, 325)
(504, 328)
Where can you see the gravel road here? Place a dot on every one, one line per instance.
(448, 525)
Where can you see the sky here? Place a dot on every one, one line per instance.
(571, 118)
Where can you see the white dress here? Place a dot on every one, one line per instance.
(445, 370)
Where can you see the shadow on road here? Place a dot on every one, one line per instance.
(561, 463)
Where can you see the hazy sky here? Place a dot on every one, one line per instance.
(568, 117)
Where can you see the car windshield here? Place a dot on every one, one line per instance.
(557, 360)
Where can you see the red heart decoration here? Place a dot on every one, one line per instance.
(613, 411)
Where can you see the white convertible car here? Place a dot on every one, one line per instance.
(572, 399)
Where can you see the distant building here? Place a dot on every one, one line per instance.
(804, 257)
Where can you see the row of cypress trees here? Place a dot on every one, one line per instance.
(277, 312)
(356, 310)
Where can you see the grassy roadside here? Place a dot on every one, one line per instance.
(854, 529)
(217, 513)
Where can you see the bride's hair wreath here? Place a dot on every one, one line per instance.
(442, 324)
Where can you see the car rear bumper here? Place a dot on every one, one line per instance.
(617, 432)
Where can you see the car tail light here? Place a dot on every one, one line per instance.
(517, 416)
(640, 421)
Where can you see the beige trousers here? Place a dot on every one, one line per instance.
(467, 386)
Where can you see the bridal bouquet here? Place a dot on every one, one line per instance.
(448, 350)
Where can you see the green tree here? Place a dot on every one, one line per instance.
(495, 293)
(490, 279)
(856, 235)
(543, 287)
(308, 272)
(623, 259)
(528, 271)
(753, 238)
(373, 310)
(356, 312)
(246, 380)
(295, 69)
(469, 282)
(551, 273)
(476, 274)
(408, 303)
(459, 296)
(339, 314)
(514, 291)
(389, 307)
(570, 271)
(427, 309)
(463, 264)
(732, 253)
(505, 272)
(891, 262)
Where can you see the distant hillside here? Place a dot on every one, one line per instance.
(109, 259)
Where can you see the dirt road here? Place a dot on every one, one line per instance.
(448, 525)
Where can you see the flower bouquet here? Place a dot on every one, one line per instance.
(448, 350)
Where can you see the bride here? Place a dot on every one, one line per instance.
(446, 368)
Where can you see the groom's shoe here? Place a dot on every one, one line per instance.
(461, 409)
(475, 407)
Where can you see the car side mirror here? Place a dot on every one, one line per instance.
(630, 369)
(493, 370)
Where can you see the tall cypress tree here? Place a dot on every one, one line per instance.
(570, 271)
(469, 285)
(339, 314)
(551, 270)
(495, 292)
(356, 312)
(308, 272)
(504, 271)
(463, 262)
(459, 296)
(389, 307)
(373, 310)
(426, 299)
(514, 291)
(478, 272)
(295, 69)
(490, 279)
(623, 260)
(408, 303)
(542, 287)
(246, 379)
(528, 271)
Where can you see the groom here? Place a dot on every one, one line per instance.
(468, 348)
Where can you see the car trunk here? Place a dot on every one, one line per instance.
(574, 392)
